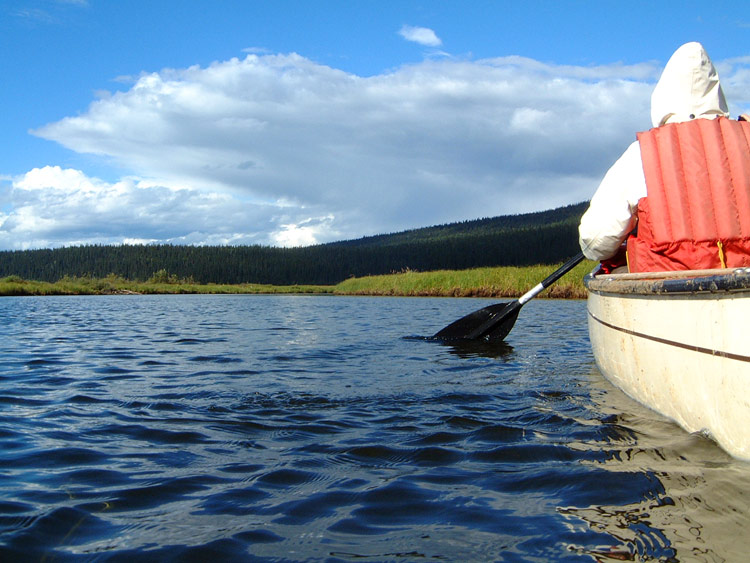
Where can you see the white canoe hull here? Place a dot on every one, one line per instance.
(679, 346)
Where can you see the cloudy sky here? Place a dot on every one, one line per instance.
(294, 122)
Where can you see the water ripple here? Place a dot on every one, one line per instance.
(292, 428)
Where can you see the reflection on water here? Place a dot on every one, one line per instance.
(479, 349)
(287, 428)
(469, 348)
(699, 509)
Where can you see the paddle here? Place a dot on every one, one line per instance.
(493, 323)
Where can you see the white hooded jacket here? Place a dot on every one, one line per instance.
(688, 89)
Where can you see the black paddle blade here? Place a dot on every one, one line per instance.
(502, 324)
(491, 324)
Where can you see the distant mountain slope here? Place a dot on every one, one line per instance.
(516, 240)
(494, 225)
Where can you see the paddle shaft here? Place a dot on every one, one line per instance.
(552, 278)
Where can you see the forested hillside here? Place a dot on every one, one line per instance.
(513, 240)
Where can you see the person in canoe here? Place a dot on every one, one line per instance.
(679, 196)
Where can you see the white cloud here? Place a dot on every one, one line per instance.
(52, 207)
(422, 35)
(277, 149)
(50, 16)
(303, 233)
(36, 15)
(735, 80)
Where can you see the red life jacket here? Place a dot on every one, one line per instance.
(697, 212)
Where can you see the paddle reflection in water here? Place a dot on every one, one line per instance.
(471, 349)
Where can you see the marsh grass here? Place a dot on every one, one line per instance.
(478, 282)
(113, 285)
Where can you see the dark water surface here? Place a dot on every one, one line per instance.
(289, 428)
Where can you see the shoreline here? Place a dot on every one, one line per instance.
(498, 282)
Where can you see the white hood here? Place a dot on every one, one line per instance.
(688, 88)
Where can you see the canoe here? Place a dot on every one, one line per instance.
(678, 343)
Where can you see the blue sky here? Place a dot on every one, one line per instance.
(293, 122)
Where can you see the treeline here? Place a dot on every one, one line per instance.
(517, 240)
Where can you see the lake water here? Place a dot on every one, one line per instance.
(290, 428)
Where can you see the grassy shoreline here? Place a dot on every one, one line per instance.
(477, 282)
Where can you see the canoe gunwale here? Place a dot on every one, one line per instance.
(670, 283)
